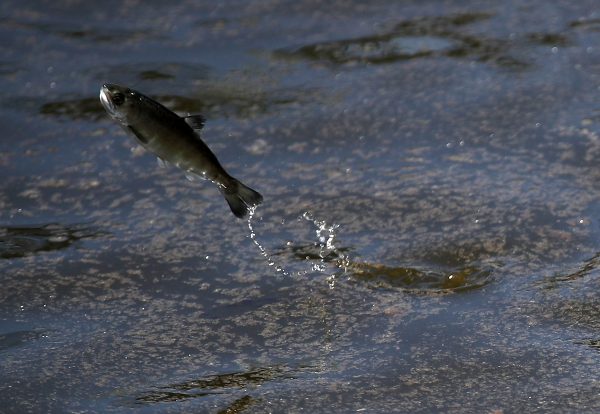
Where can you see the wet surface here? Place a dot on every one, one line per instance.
(429, 239)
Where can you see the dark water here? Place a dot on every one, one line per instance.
(431, 222)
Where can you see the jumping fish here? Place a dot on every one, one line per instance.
(174, 139)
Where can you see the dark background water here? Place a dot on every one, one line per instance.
(431, 192)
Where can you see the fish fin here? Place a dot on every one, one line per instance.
(195, 121)
(162, 163)
(240, 197)
(192, 176)
(136, 133)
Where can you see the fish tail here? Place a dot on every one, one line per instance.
(240, 197)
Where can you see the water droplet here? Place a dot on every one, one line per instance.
(262, 250)
(331, 281)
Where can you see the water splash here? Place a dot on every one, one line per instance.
(263, 251)
(325, 240)
(326, 236)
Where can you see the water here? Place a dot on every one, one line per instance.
(431, 209)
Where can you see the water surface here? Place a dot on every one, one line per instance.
(430, 228)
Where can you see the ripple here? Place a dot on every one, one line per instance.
(421, 280)
(549, 39)
(18, 242)
(82, 108)
(454, 275)
(177, 74)
(563, 279)
(591, 343)
(417, 38)
(219, 384)
(19, 338)
(592, 25)
(108, 34)
(376, 49)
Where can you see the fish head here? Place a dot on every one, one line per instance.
(119, 101)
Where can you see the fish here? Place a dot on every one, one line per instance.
(175, 140)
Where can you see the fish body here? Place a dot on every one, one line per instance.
(173, 139)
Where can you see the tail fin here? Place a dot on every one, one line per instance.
(240, 197)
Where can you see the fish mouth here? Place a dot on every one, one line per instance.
(106, 99)
(112, 98)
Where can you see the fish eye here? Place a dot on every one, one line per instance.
(118, 98)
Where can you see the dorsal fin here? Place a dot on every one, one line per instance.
(195, 121)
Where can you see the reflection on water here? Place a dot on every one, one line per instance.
(24, 241)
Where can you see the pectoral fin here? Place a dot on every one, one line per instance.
(193, 176)
(195, 121)
(162, 163)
